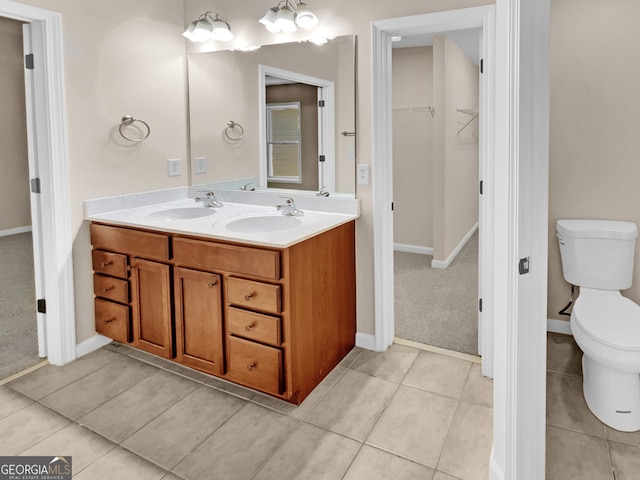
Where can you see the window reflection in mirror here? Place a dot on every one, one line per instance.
(284, 146)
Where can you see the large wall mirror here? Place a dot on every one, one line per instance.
(279, 117)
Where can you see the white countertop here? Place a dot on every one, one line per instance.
(226, 222)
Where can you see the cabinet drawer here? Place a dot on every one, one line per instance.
(112, 320)
(254, 326)
(111, 288)
(114, 264)
(229, 258)
(150, 245)
(255, 365)
(254, 295)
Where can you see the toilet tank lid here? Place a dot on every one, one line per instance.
(597, 229)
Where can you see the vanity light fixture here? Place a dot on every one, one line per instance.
(287, 16)
(208, 27)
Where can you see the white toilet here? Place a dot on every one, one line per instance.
(597, 256)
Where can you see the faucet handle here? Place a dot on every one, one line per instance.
(288, 200)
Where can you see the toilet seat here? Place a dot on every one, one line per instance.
(610, 319)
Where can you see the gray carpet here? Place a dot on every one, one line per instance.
(438, 307)
(18, 329)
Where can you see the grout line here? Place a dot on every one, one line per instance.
(441, 351)
(24, 372)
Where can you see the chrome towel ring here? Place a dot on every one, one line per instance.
(129, 120)
(230, 131)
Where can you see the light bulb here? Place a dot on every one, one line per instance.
(305, 17)
(220, 31)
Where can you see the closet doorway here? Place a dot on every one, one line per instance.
(436, 101)
(18, 321)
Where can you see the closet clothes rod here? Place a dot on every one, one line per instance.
(429, 109)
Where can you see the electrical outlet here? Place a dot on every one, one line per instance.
(174, 167)
(363, 174)
(200, 165)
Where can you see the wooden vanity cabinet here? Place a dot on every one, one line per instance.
(274, 319)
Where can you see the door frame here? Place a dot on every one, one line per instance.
(47, 145)
(382, 31)
(326, 123)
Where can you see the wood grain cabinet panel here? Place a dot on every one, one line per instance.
(254, 295)
(111, 288)
(152, 319)
(255, 365)
(254, 326)
(113, 320)
(198, 305)
(154, 246)
(114, 264)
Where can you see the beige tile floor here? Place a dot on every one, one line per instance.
(579, 446)
(120, 413)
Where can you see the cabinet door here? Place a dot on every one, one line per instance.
(150, 289)
(198, 298)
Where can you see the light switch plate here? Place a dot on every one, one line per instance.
(200, 165)
(174, 167)
(363, 174)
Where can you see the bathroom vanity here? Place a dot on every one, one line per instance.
(273, 318)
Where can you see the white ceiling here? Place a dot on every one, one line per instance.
(468, 41)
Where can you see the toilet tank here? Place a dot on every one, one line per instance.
(597, 253)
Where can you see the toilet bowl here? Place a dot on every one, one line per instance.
(597, 256)
(611, 360)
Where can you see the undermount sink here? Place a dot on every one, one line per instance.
(183, 213)
(263, 223)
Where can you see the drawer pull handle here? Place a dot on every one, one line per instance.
(213, 283)
(251, 366)
(106, 264)
(109, 321)
(250, 326)
(248, 296)
(108, 289)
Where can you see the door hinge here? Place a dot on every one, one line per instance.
(28, 61)
(35, 185)
(481, 187)
(523, 265)
(42, 305)
(320, 103)
(392, 206)
(480, 305)
(482, 65)
(321, 158)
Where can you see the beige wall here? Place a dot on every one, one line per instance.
(121, 57)
(595, 126)
(337, 18)
(412, 146)
(455, 159)
(14, 163)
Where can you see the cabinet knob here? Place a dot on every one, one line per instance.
(109, 321)
(248, 296)
(251, 366)
(106, 264)
(250, 326)
(213, 283)
(108, 289)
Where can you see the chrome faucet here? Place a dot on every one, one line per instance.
(209, 199)
(248, 186)
(289, 207)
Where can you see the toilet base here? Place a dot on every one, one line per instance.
(612, 396)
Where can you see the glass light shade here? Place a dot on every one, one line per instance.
(220, 31)
(188, 33)
(202, 31)
(305, 17)
(269, 20)
(285, 20)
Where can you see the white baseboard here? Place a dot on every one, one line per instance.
(495, 471)
(401, 247)
(91, 344)
(456, 251)
(15, 231)
(558, 326)
(366, 341)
